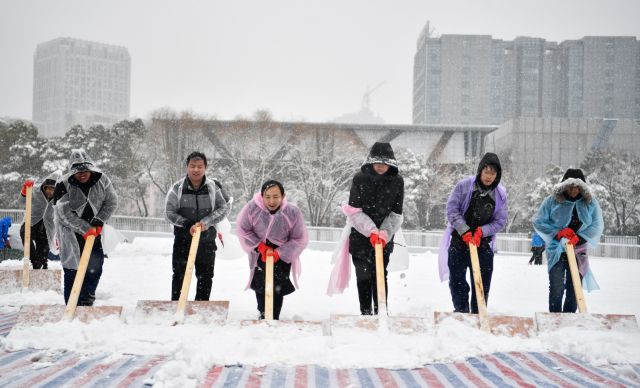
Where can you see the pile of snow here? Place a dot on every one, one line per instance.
(142, 270)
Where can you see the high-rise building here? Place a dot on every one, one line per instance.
(474, 79)
(79, 82)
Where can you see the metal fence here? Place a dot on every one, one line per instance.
(623, 247)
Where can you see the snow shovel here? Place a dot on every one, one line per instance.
(553, 321)
(33, 315)
(383, 322)
(496, 324)
(40, 279)
(182, 311)
(268, 305)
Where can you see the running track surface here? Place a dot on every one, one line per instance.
(50, 368)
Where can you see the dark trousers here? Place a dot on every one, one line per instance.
(536, 257)
(205, 261)
(559, 281)
(459, 262)
(278, 300)
(281, 285)
(39, 245)
(91, 278)
(365, 264)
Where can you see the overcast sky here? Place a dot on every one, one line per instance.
(302, 60)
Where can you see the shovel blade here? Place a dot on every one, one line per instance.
(617, 322)
(39, 280)
(37, 315)
(202, 312)
(396, 324)
(500, 324)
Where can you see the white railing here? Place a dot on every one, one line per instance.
(623, 247)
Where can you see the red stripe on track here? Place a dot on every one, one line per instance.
(255, 377)
(51, 371)
(508, 372)
(386, 378)
(342, 376)
(92, 373)
(212, 376)
(430, 378)
(584, 370)
(300, 379)
(533, 365)
(17, 364)
(141, 371)
(472, 377)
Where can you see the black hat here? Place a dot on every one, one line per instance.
(49, 182)
(574, 173)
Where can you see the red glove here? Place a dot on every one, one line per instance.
(467, 237)
(98, 230)
(567, 233)
(574, 240)
(27, 183)
(375, 238)
(262, 248)
(91, 232)
(220, 238)
(274, 253)
(477, 236)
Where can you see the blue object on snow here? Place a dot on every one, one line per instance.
(5, 223)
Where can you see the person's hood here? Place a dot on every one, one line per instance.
(572, 177)
(381, 153)
(490, 159)
(80, 161)
(51, 179)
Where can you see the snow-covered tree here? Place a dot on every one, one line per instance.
(170, 138)
(250, 153)
(320, 181)
(618, 173)
(526, 195)
(21, 158)
(426, 189)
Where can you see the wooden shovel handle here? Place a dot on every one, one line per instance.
(268, 287)
(27, 239)
(382, 292)
(477, 283)
(575, 279)
(70, 311)
(188, 272)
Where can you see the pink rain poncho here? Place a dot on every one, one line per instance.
(285, 228)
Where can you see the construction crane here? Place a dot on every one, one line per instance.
(366, 98)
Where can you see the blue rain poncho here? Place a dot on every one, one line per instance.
(555, 214)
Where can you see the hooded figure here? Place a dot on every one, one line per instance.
(374, 214)
(476, 211)
(42, 226)
(266, 222)
(569, 215)
(84, 200)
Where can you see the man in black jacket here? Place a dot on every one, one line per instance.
(378, 190)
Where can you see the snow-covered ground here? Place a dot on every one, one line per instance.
(142, 270)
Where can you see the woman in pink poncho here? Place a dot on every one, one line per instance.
(266, 222)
